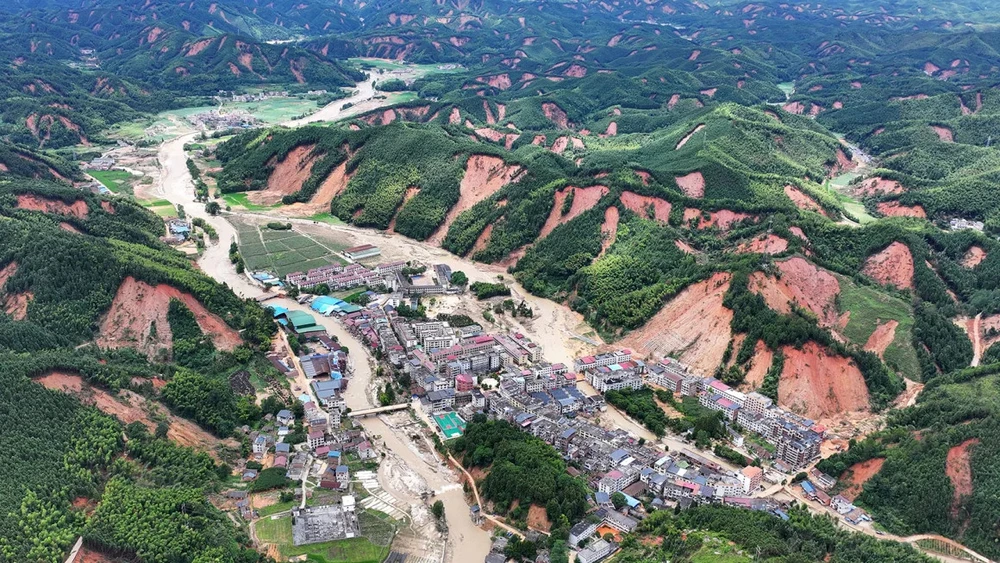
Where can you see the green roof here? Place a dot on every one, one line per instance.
(300, 319)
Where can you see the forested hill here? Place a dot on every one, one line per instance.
(76, 270)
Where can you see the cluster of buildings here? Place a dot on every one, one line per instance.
(339, 277)
(224, 96)
(315, 524)
(816, 488)
(796, 439)
(218, 119)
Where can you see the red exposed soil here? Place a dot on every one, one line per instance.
(794, 107)
(138, 305)
(817, 384)
(7, 272)
(859, 474)
(973, 256)
(614, 40)
(694, 55)
(803, 201)
(843, 164)
(611, 131)
(770, 244)
(930, 68)
(583, 200)
(673, 101)
(32, 202)
(687, 137)
(609, 229)
(153, 35)
(694, 324)
(856, 85)
(895, 209)
(131, 407)
(410, 192)
(68, 227)
(891, 266)
(798, 232)
(455, 117)
(483, 241)
(943, 133)
(878, 186)
(575, 71)
(484, 175)
(723, 219)
(709, 92)
(882, 337)
(490, 134)
(759, 364)
(803, 284)
(287, 176)
(556, 115)
(693, 184)
(537, 518)
(560, 145)
(640, 204)
(959, 470)
(16, 305)
(332, 186)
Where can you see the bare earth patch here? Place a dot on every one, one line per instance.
(801, 283)
(138, 319)
(33, 202)
(769, 244)
(334, 184)
(538, 519)
(797, 231)
(818, 384)
(694, 325)
(687, 137)
(6, 273)
(287, 176)
(693, 184)
(858, 474)
(609, 229)
(943, 133)
(882, 337)
(723, 219)
(959, 470)
(556, 115)
(641, 204)
(893, 265)
(16, 305)
(685, 247)
(896, 209)
(759, 364)
(803, 201)
(974, 256)
(878, 186)
(484, 175)
(583, 200)
(131, 407)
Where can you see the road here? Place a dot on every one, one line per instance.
(796, 493)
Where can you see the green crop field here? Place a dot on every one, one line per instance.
(282, 252)
(114, 180)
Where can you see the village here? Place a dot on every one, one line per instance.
(450, 371)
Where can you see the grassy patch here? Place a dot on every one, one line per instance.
(114, 180)
(240, 200)
(274, 509)
(718, 550)
(868, 309)
(161, 207)
(326, 218)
